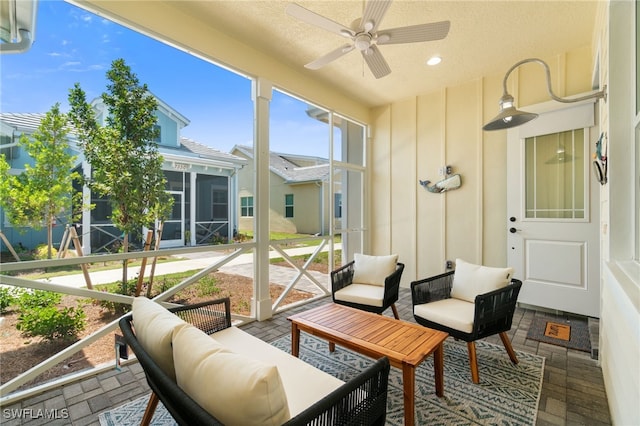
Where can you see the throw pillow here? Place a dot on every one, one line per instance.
(154, 327)
(373, 269)
(470, 280)
(234, 388)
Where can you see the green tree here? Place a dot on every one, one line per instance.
(43, 192)
(125, 163)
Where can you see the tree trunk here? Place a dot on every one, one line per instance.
(50, 237)
(143, 265)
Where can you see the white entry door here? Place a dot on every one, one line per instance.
(553, 216)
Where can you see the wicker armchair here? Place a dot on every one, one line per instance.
(370, 298)
(360, 401)
(491, 313)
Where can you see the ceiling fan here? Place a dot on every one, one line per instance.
(366, 37)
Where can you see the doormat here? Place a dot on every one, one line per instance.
(558, 331)
(571, 334)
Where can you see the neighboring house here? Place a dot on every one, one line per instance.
(201, 180)
(299, 192)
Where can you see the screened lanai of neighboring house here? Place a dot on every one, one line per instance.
(200, 179)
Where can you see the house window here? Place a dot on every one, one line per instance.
(246, 206)
(337, 205)
(288, 205)
(219, 204)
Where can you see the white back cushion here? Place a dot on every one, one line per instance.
(470, 280)
(154, 327)
(373, 269)
(234, 388)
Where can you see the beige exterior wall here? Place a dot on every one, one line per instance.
(310, 200)
(412, 139)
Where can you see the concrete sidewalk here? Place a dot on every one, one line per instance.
(241, 265)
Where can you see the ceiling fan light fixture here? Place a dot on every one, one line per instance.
(362, 42)
(434, 60)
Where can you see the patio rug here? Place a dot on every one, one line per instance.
(507, 394)
(571, 334)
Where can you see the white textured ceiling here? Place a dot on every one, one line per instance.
(486, 38)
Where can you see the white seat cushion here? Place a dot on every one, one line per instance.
(304, 384)
(373, 269)
(453, 313)
(154, 326)
(234, 388)
(470, 280)
(364, 294)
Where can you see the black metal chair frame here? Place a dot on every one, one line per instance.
(360, 401)
(343, 276)
(493, 313)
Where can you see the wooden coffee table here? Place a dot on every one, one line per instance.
(404, 343)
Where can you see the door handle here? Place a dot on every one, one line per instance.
(514, 230)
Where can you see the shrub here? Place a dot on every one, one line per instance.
(38, 299)
(8, 297)
(39, 316)
(207, 286)
(116, 288)
(51, 322)
(42, 252)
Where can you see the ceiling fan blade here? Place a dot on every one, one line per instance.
(414, 33)
(376, 62)
(374, 11)
(313, 18)
(331, 56)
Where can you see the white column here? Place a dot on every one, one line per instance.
(192, 210)
(261, 91)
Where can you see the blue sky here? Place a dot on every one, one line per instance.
(72, 45)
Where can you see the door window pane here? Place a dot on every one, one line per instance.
(555, 178)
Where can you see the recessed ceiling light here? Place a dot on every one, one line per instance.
(435, 60)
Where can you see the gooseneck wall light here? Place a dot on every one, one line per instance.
(509, 116)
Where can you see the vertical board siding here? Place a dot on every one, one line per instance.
(403, 183)
(412, 139)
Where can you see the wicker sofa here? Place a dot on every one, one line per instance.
(200, 367)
